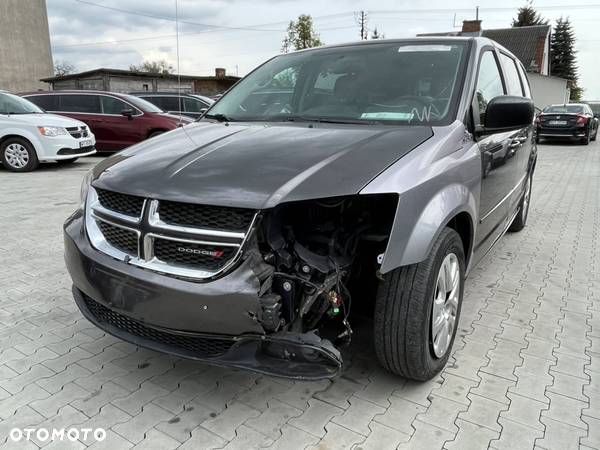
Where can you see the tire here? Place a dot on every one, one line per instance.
(64, 162)
(586, 140)
(404, 310)
(595, 135)
(520, 219)
(18, 155)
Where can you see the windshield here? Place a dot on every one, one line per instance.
(400, 83)
(144, 105)
(13, 104)
(563, 109)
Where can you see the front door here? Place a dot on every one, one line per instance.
(119, 131)
(499, 159)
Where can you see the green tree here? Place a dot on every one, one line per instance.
(563, 60)
(528, 16)
(158, 66)
(300, 35)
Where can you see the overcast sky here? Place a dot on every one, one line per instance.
(240, 34)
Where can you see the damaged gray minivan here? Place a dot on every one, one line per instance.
(328, 184)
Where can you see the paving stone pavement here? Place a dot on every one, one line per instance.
(525, 371)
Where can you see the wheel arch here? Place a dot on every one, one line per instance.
(20, 135)
(411, 238)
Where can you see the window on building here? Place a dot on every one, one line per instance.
(145, 87)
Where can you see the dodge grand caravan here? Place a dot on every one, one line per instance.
(363, 178)
(29, 136)
(117, 120)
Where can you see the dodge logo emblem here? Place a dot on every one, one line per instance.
(201, 251)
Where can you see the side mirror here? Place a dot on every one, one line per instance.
(128, 113)
(507, 113)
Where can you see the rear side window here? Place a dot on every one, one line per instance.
(89, 104)
(524, 80)
(513, 82)
(112, 105)
(489, 82)
(46, 102)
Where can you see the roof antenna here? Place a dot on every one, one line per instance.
(476, 12)
(178, 71)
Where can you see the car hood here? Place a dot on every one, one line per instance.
(257, 165)
(47, 120)
(176, 118)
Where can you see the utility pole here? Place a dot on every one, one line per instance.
(361, 20)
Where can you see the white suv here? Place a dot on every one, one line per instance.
(28, 136)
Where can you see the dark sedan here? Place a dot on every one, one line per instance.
(571, 120)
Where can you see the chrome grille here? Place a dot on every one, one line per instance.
(143, 233)
(121, 238)
(78, 132)
(122, 203)
(204, 216)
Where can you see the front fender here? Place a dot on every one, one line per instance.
(26, 134)
(411, 240)
(435, 182)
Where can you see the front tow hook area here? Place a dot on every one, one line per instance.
(301, 356)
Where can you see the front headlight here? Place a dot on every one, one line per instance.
(85, 187)
(52, 131)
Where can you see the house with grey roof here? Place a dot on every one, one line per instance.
(532, 46)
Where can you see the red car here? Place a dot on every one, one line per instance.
(117, 120)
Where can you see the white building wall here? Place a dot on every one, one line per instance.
(548, 90)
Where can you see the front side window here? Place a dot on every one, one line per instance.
(513, 83)
(13, 104)
(89, 104)
(142, 104)
(489, 82)
(407, 83)
(112, 105)
(193, 105)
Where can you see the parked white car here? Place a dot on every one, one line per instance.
(29, 136)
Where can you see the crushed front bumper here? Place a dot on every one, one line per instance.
(212, 322)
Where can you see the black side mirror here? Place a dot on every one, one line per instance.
(507, 113)
(128, 113)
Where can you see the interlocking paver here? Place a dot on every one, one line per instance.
(525, 370)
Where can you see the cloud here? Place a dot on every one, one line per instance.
(204, 47)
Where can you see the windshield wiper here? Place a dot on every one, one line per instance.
(219, 117)
(328, 120)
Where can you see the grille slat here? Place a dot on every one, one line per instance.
(198, 256)
(129, 205)
(78, 132)
(205, 216)
(201, 346)
(124, 240)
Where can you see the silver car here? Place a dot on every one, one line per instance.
(328, 186)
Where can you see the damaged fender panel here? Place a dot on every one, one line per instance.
(449, 181)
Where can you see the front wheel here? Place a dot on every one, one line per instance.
(417, 311)
(18, 155)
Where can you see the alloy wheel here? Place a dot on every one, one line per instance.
(445, 305)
